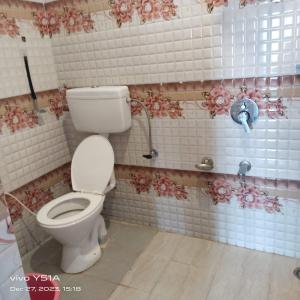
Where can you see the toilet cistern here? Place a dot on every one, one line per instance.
(245, 112)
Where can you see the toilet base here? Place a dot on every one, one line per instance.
(76, 259)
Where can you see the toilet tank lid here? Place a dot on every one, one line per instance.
(101, 92)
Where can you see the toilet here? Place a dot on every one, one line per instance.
(74, 219)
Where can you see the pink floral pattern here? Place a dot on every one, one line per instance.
(148, 10)
(141, 182)
(122, 10)
(175, 110)
(136, 108)
(8, 26)
(72, 19)
(221, 191)
(58, 103)
(271, 204)
(162, 185)
(218, 101)
(215, 3)
(157, 105)
(48, 22)
(255, 95)
(36, 197)
(275, 109)
(15, 118)
(248, 196)
(35, 194)
(15, 209)
(67, 177)
(87, 23)
(168, 9)
(31, 119)
(75, 20)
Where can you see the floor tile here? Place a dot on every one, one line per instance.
(49, 252)
(171, 283)
(163, 245)
(241, 274)
(145, 272)
(283, 283)
(140, 264)
(197, 252)
(198, 282)
(92, 288)
(127, 293)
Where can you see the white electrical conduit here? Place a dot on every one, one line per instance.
(20, 202)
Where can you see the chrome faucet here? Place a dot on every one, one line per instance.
(244, 112)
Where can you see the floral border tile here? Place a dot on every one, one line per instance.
(248, 195)
(211, 4)
(157, 104)
(255, 193)
(163, 185)
(17, 113)
(147, 10)
(72, 19)
(122, 10)
(8, 26)
(47, 22)
(36, 193)
(58, 103)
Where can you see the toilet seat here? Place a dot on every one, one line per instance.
(91, 169)
(92, 165)
(86, 204)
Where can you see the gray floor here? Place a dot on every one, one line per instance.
(125, 243)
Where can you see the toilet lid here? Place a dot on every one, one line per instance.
(92, 165)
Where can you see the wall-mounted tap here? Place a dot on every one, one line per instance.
(244, 112)
(244, 167)
(206, 164)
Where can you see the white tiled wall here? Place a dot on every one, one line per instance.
(40, 57)
(259, 40)
(31, 153)
(273, 146)
(198, 216)
(13, 80)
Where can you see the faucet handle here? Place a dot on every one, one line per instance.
(244, 112)
(244, 119)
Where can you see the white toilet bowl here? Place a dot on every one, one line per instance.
(74, 219)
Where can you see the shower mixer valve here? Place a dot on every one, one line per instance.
(244, 112)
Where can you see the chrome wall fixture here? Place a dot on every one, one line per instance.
(244, 167)
(206, 164)
(152, 152)
(245, 112)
